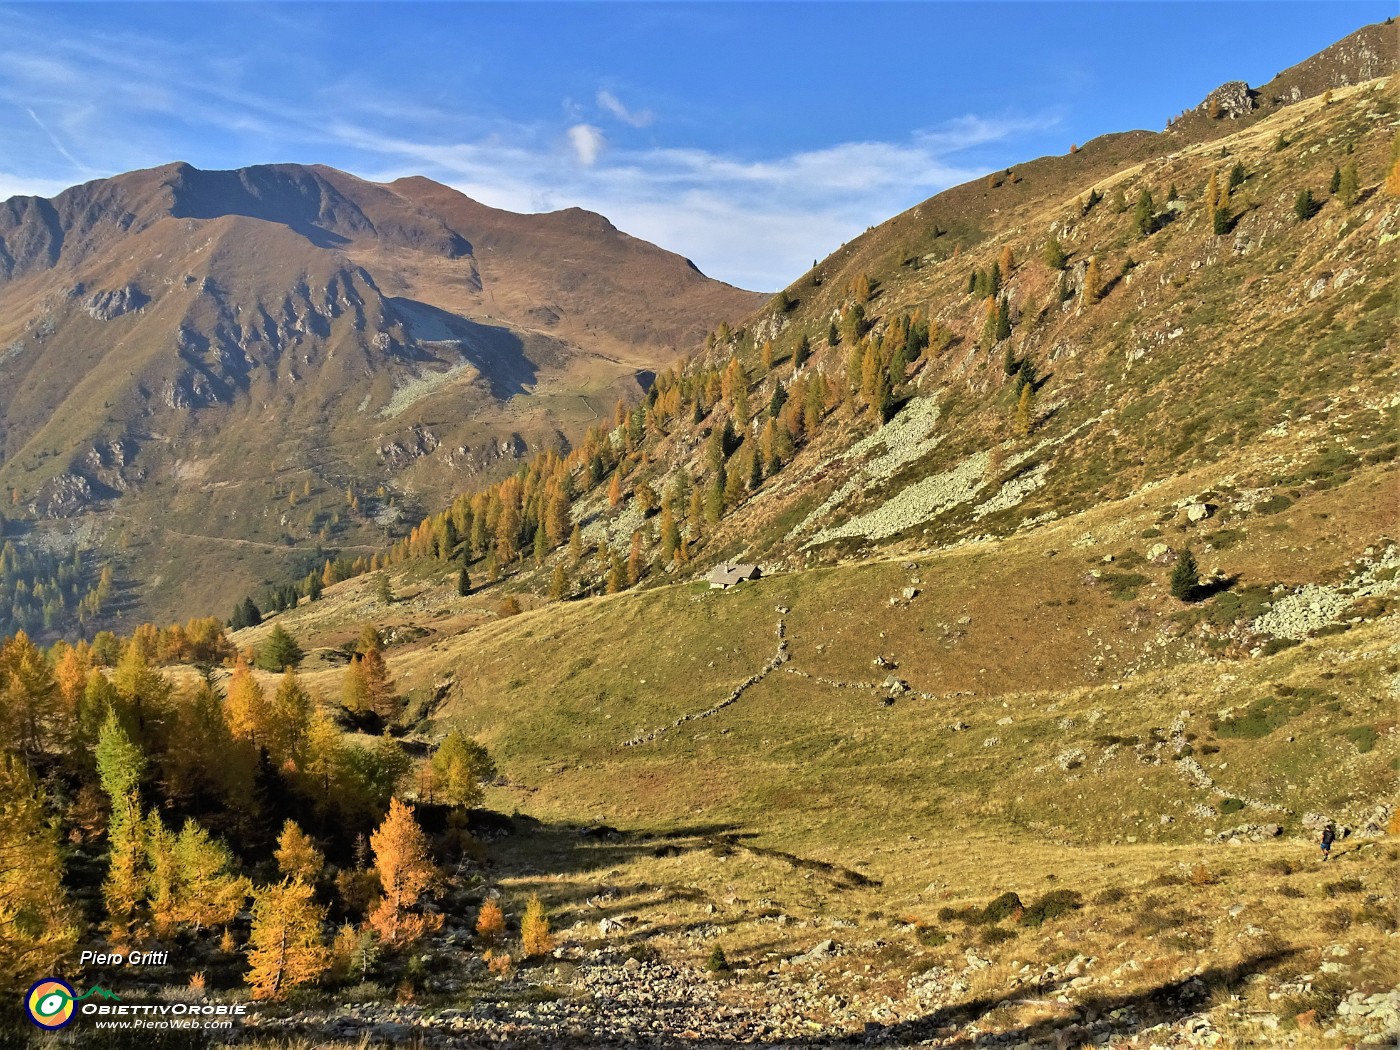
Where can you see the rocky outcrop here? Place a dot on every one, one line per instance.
(63, 497)
(419, 442)
(108, 305)
(1232, 99)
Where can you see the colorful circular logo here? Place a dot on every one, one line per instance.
(49, 1003)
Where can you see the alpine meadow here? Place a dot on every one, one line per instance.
(428, 623)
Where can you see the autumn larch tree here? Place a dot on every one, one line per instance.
(289, 717)
(670, 533)
(461, 766)
(249, 716)
(160, 875)
(491, 923)
(40, 926)
(209, 890)
(1054, 256)
(406, 872)
(120, 764)
(534, 929)
(285, 948)
(1093, 282)
(383, 590)
(297, 856)
(1348, 186)
(27, 693)
(354, 690)
(559, 583)
(380, 694)
(1025, 410)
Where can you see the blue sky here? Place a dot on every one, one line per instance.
(750, 137)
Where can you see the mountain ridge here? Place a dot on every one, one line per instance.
(310, 310)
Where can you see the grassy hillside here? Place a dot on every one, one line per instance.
(972, 764)
(964, 673)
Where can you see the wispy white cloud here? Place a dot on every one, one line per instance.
(637, 118)
(754, 222)
(587, 142)
(57, 145)
(752, 217)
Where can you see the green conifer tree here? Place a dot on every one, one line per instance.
(1185, 580)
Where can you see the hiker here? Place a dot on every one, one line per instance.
(1329, 834)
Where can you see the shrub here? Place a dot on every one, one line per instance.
(1291, 892)
(969, 914)
(1350, 885)
(1337, 920)
(1277, 867)
(1376, 915)
(933, 937)
(1053, 905)
(717, 962)
(497, 962)
(1111, 895)
(1201, 876)
(1002, 907)
(1364, 737)
(508, 607)
(993, 935)
(1231, 805)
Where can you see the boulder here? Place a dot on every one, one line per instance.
(1199, 512)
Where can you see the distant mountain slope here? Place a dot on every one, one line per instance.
(236, 354)
(1221, 293)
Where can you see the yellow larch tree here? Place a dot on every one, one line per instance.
(406, 872)
(248, 709)
(534, 929)
(285, 949)
(297, 856)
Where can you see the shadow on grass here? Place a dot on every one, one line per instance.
(1207, 589)
(1165, 1003)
